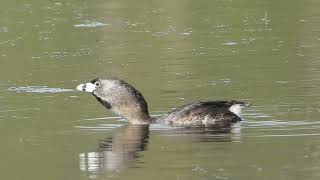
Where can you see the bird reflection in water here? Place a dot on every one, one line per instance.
(122, 150)
(118, 152)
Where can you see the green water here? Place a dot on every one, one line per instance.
(265, 52)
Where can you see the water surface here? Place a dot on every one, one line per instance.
(174, 52)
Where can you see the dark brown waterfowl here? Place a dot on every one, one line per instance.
(126, 101)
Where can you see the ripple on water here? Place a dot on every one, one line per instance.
(38, 89)
(255, 123)
(103, 118)
(99, 127)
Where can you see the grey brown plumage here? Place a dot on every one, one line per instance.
(208, 113)
(123, 99)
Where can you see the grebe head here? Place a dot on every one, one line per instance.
(120, 97)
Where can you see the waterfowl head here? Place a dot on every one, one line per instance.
(120, 97)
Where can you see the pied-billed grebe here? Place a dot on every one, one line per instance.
(123, 99)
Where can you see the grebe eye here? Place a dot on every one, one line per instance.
(97, 84)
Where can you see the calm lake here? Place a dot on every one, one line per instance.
(265, 52)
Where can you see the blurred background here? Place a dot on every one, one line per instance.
(175, 52)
